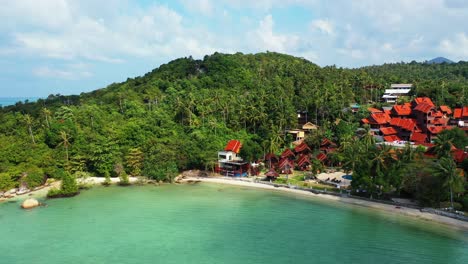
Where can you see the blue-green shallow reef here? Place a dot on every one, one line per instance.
(209, 223)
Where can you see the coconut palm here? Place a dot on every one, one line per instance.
(65, 143)
(29, 121)
(446, 169)
(47, 114)
(443, 145)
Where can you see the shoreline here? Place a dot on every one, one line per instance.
(386, 208)
(405, 211)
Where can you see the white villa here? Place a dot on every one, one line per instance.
(396, 90)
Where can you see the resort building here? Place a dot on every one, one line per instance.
(418, 122)
(396, 90)
(229, 161)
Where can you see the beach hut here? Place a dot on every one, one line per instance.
(271, 160)
(286, 166)
(303, 163)
(302, 149)
(287, 153)
(271, 174)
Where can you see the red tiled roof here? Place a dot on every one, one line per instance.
(321, 156)
(374, 110)
(365, 121)
(379, 118)
(438, 129)
(392, 138)
(402, 110)
(418, 137)
(405, 123)
(460, 112)
(303, 160)
(234, 146)
(446, 109)
(287, 153)
(424, 107)
(301, 148)
(388, 131)
(388, 112)
(426, 100)
(438, 114)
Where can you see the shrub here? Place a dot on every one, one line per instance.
(34, 178)
(6, 182)
(69, 188)
(107, 180)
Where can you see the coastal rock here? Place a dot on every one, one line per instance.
(30, 203)
(12, 191)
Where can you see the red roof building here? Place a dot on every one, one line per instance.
(302, 148)
(392, 138)
(445, 109)
(460, 113)
(286, 165)
(287, 153)
(234, 146)
(401, 110)
(303, 162)
(388, 131)
(420, 100)
(418, 137)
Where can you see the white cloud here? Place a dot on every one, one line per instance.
(266, 39)
(204, 7)
(69, 72)
(322, 25)
(456, 47)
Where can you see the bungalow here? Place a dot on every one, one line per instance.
(286, 166)
(302, 149)
(287, 154)
(271, 174)
(327, 146)
(303, 162)
(377, 120)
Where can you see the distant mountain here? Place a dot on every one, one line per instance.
(439, 60)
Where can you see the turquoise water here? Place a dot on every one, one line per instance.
(6, 101)
(216, 224)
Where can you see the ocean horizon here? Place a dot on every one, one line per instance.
(7, 101)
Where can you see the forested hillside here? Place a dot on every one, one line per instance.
(179, 115)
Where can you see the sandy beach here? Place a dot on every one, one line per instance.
(414, 213)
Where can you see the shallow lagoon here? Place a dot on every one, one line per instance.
(209, 223)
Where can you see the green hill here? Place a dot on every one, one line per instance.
(180, 114)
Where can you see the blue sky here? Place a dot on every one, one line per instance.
(74, 46)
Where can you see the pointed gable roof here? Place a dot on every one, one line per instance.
(302, 148)
(402, 110)
(321, 156)
(424, 107)
(234, 146)
(426, 100)
(327, 143)
(272, 174)
(404, 123)
(285, 162)
(303, 160)
(445, 109)
(287, 153)
(309, 126)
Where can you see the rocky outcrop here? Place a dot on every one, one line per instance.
(30, 203)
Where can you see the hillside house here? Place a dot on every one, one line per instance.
(396, 91)
(229, 161)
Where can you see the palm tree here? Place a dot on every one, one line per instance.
(65, 143)
(443, 145)
(28, 120)
(447, 170)
(47, 113)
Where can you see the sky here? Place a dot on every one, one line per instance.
(73, 46)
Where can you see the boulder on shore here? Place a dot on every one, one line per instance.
(30, 203)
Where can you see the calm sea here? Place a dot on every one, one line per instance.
(6, 101)
(207, 223)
